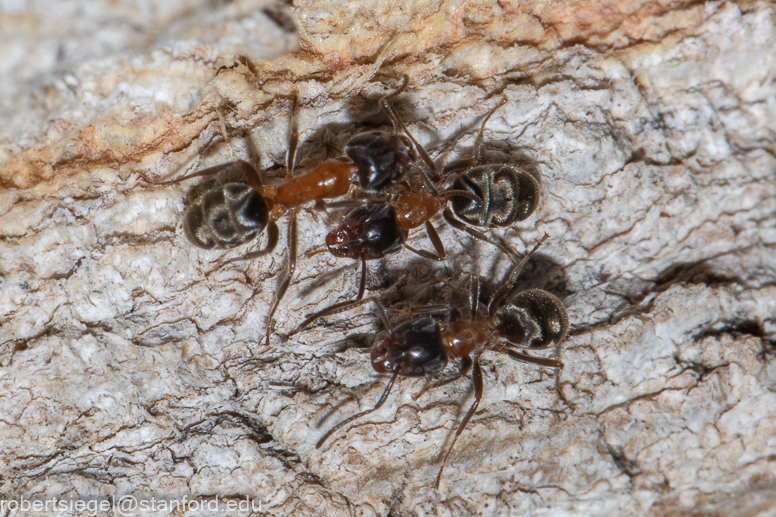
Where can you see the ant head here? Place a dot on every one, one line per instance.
(371, 231)
(382, 158)
(414, 348)
(532, 319)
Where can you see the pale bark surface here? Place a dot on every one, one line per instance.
(130, 360)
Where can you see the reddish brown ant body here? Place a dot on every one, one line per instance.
(487, 196)
(235, 213)
(532, 320)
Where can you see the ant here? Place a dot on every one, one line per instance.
(532, 319)
(232, 214)
(482, 195)
(488, 196)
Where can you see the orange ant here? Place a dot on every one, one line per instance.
(533, 320)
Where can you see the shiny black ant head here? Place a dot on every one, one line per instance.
(532, 319)
(415, 348)
(371, 231)
(225, 217)
(508, 195)
(381, 158)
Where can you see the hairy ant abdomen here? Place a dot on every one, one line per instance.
(226, 217)
(508, 195)
(535, 318)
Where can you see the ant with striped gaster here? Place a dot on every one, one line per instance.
(487, 196)
(235, 213)
(531, 320)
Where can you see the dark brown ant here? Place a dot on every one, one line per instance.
(482, 195)
(501, 194)
(232, 214)
(533, 320)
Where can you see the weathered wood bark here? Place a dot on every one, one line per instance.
(131, 361)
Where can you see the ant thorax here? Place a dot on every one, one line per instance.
(461, 338)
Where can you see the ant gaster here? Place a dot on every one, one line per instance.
(488, 196)
(533, 320)
(235, 213)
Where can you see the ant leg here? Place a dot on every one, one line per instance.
(429, 309)
(459, 225)
(248, 170)
(427, 181)
(463, 369)
(478, 143)
(380, 402)
(345, 203)
(286, 281)
(316, 251)
(468, 163)
(273, 236)
(293, 141)
(339, 307)
(474, 296)
(422, 253)
(525, 358)
(383, 314)
(499, 295)
(421, 150)
(433, 236)
(439, 247)
(398, 124)
(477, 379)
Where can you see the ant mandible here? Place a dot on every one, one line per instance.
(232, 214)
(532, 319)
(488, 196)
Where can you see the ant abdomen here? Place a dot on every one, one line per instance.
(381, 158)
(226, 216)
(508, 195)
(414, 349)
(535, 319)
(369, 232)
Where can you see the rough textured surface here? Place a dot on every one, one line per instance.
(130, 360)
